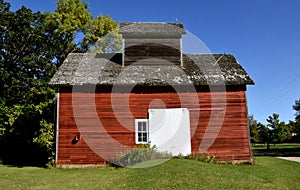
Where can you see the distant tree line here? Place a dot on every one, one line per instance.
(33, 46)
(275, 131)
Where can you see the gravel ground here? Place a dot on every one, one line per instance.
(295, 159)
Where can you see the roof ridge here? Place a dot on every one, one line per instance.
(151, 28)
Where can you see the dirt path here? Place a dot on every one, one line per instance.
(295, 159)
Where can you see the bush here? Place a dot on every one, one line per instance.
(139, 154)
(203, 157)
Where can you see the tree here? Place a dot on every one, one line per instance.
(264, 134)
(253, 126)
(279, 130)
(27, 52)
(103, 36)
(33, 45)
(295, 131)
(275, 131)
(73, 18)
(69, 18)
(296, 107)
(295, 125)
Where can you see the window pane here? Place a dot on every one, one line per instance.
(144, 137)
(142, 126)
(141, 131)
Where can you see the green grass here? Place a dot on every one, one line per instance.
(284, 149)
(267, 173)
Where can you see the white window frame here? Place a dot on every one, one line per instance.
(137, 121)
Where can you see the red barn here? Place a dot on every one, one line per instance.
(151, 93)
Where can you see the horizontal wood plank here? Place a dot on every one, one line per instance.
(112, 119)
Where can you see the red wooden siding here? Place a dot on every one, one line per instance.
(145, 49)
(232, 141)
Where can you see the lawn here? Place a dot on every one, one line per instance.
(267, 173)
(284, 149)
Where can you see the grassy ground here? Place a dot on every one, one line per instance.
(267, 173)
(285, 149)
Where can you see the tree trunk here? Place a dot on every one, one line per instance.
(268, 145)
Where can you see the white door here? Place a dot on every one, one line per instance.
(169, 130)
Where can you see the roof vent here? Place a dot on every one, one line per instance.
(148, 40)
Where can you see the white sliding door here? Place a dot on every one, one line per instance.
(169, 130)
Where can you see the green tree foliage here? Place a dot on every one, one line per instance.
(280, 131)
(275, 131)
(295, 125)
(33, 46)
(102, 36)
(253, 126)
(265, 134)
(296, 107)
(70, 18)
(73, 18)
(27, 53)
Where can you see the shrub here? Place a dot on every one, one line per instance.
(204, 157)
(139, 154)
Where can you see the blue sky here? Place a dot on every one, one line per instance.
(264, 36)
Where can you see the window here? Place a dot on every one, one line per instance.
(141, 131)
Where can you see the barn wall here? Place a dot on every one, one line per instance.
(118, 124)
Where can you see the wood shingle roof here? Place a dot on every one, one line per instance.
(151, 28)
(106, 69)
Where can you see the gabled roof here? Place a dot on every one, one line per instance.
(151, 28)
(106, 69)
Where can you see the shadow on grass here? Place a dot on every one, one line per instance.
(284, 150)
(21, 155)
